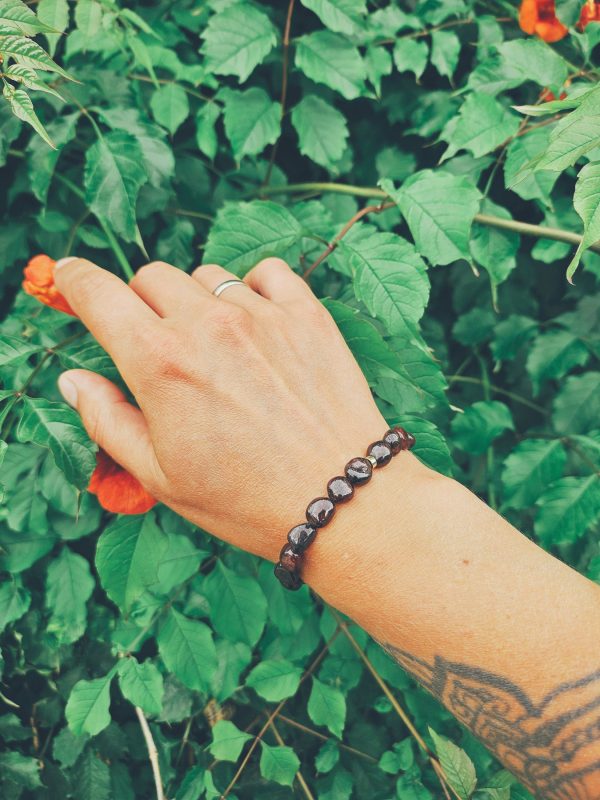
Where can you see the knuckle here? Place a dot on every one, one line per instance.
(227, 322)
(165, 353)
(270, 265)
(147, 270)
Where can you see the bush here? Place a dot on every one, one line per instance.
(396, 156)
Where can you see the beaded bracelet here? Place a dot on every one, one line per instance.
(340, 489)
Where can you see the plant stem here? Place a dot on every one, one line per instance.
(284, 84)
(331, 247)
(299, 776)
(152, 753)
(525, 228)
(498, 390)
(396, 706)
(274, 714)
(323, 738)
(112, 240)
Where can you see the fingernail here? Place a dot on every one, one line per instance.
(62, 261)
(68, 390)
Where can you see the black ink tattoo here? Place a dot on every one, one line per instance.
(552, 746)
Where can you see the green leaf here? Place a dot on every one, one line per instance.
(252, 120)
(25, 76)
(389, 278)
(328, 58)
(573, 136)
(532, 466)
(54, 14)
(480, 424)
(170, 106)
(532, 60)
(322, 130)
(553, 354)
(341, 16)
(279, 764)
(327, 706)
(577, 407)
(481, 126)
(69, 585)
(87, 354)
(15, 350)
(128, 554)
(445, 51)
(22, 108)
(17, 16)
(206, 135)
(410, 55)
(237, 39)
(114, 173)
(238, 607)
(567, 509)
(59, 428)
(179, 562)
(456, 764)
(87, 709)
(20, 769)
(42, 160)
(88, 18)
(188, 650)
(587, 204)
(91, 777)
(439, 209)
(14, 601)
(141, 684)
(245, 233)
(274, 680)
(493, 248)
(228, 741)
(30, 54)
(529, 184)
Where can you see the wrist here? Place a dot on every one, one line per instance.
(347, 559)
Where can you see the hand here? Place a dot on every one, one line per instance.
(248, 403)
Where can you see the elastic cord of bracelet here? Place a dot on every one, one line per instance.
(340, 489)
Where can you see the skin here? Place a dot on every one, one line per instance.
(247, 404)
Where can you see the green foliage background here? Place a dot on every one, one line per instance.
(173, 144)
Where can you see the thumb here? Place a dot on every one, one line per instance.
(112, 422)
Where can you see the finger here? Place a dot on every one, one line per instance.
(211, 275)
(105, 305)
(274, 279)
(113, 423)
(167, 290)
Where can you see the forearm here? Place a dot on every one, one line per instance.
(506, 636)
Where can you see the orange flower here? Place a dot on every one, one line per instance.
(39, 282)
(116, 489)
(589, 13)
(539, 17)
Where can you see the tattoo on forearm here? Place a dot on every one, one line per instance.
(552, 746)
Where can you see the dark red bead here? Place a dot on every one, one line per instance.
(381, 452)
(340, 490)
(301, 536)
(290, 580)
(320, 512)
(393, 440)
(358, 471)
(290, 558)
(403, 436)
(411, 441)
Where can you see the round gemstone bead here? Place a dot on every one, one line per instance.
(381, 452)
(290, 580)
(320, 512)
(290, 558)
(403, 437)
(301, 536)
(393, 440)
(340, 490)
(358, 471)
(410, 441)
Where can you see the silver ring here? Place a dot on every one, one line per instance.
(225, 285)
